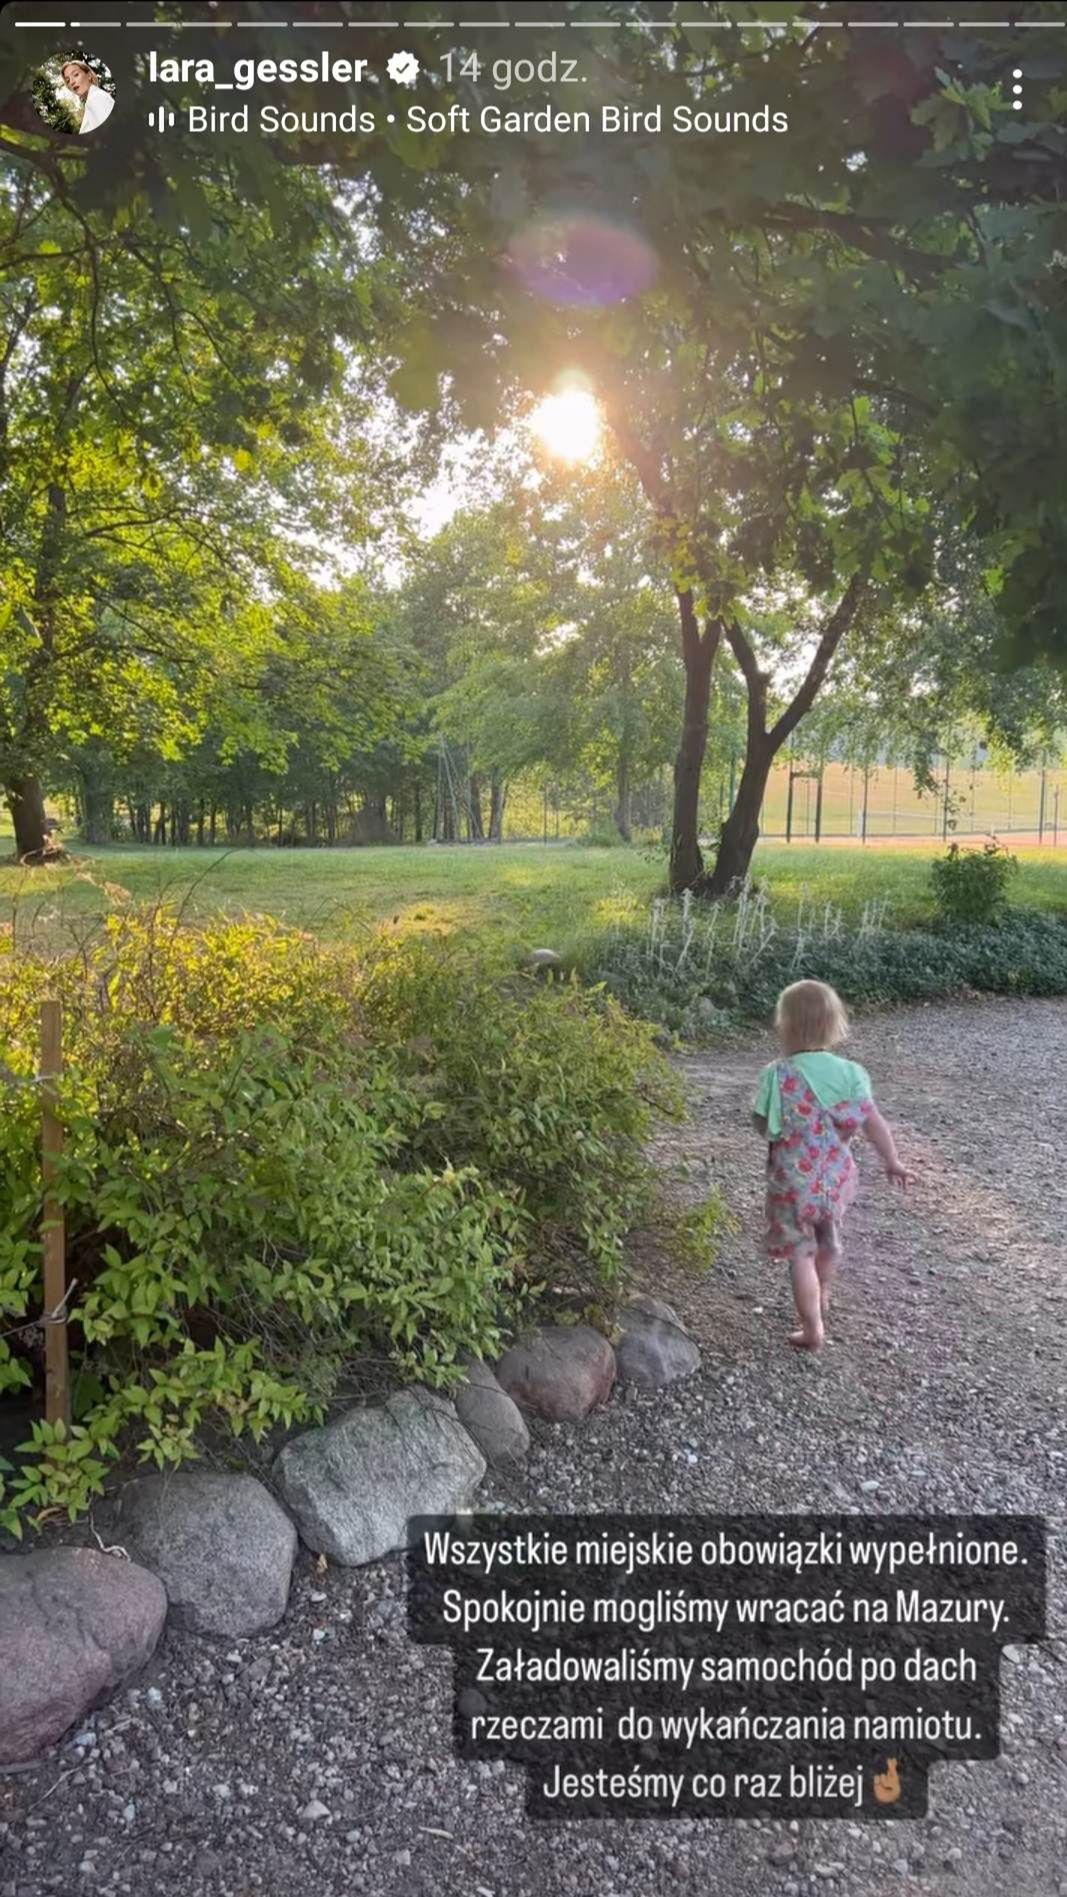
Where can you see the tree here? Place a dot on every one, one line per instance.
(165, 424)
(761, 336)
(545, 627)
(479, 606)
(610, 675)
(900, 245)
(765, 496)
(933, 669)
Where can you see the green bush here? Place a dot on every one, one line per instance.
(971, 886)
(281, 1156)
(550, 1091)
(699, 988)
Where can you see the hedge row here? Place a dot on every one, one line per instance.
(697, 994)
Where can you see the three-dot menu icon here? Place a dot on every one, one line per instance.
(1017, 73)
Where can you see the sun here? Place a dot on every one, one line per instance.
(568, 424)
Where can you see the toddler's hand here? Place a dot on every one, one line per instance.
(897, 1174)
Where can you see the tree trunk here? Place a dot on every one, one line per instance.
(698, 655)
(498, 796)
(623, 795)
(740, 832)
(477, 826)
(161, 825)
(25, 800)
(98, 812)
(418, 811)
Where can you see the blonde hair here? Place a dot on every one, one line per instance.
(810, 1015)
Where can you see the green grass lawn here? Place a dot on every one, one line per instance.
(851, 876)
(519, 893)
(538, 896)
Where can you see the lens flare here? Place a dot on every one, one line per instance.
(568, 424)
(581, 261)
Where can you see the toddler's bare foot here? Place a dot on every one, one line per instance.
(805, 1339)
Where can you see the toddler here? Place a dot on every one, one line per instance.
(809, 1106)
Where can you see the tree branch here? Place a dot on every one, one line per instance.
(756, 683)
(832, 634)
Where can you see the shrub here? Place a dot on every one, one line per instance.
(971, 886)
(701, 975)
(281, 1156)
(553, 1093)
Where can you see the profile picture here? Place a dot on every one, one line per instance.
(73, 92)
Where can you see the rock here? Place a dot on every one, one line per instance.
(561, 1372)
(219, 1543)
(641, 1304)
(353, 1485)
(74, 1626)
(654, 1348)
(489, 1415)
(651, 1355)
(543, 961)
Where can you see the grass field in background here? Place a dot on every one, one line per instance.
(520, 893)
(853, 876)
(514, 894)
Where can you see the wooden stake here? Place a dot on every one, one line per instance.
(53, 1237)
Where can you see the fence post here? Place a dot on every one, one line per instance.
(53, 1236)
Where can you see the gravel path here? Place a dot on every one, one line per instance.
(317, 1760)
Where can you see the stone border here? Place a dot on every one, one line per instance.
(215, 1551)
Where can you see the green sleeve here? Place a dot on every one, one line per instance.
(862, 1080)
(766, 1102)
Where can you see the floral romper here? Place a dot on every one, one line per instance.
(811, 1174)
